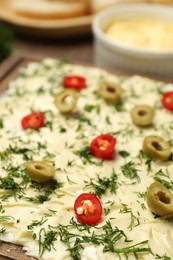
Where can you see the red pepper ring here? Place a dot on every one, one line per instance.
(74, 82)
(103, 147)
(167, 100)
(88, 209)
(33, 120)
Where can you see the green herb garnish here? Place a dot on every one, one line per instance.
(134, 221)
(124, 154)
(100, 185)
(130, 171)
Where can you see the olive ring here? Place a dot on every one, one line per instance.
(156, 147)
(111, 91)
(66, 100)
(142, 115)
(160, 200)
(40, 171)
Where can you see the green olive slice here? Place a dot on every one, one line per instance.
(160, 200)
(66, 100)
(156, 147)
(40, 171)
(111, 91)
(142, 115)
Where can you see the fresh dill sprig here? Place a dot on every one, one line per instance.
(164, 257)
(119, 107)
(90, 108)
(145, 159)
(124, 154)
(108, 239)
(100, 185)
(1, 123)
(167, 184)
(134, 221)
(86, 156)
(46, 192)
(36, 223)
(130, 171)
(16, 150)
(6, 219)
(46, 240)
(8, 183)
(163, 178)
(82, 119)
(76, 241)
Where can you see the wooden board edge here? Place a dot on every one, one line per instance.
(13, 252)
(9, 68)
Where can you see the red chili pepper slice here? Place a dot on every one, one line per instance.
(74, 82)
(88, 209)
(33, 120)
(103, 147)
(167, 100)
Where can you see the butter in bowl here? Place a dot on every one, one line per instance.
(135, 38)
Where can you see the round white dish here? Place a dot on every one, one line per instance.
(112, 54)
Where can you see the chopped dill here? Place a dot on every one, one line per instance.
(86, 156)
(130, 171)
(100, 185)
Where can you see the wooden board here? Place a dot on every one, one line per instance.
(9, 70)
(10, 251)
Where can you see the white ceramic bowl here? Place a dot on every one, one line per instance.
(114, 55)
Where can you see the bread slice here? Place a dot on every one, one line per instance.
(50, 9)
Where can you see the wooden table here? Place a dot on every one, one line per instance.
(75, 49)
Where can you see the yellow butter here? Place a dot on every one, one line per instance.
(147, 33)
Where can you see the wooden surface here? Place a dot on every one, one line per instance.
(10, 251)
(50, 28)
(80, 48)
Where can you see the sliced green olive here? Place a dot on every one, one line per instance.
(111, 91)
(142, 115)
(156, 147)
(66, 100)
(160, 200)
(40, 171)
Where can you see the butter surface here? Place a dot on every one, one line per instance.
(26, 220)
(151, 34)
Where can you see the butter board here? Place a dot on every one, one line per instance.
(9, 74)
(9, 70)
